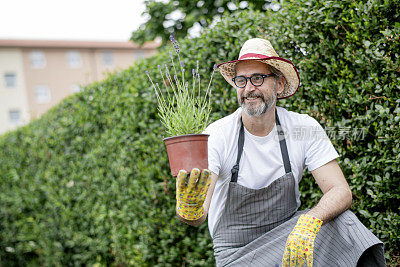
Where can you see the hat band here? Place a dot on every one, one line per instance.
(260, 56)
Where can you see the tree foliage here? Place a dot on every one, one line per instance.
(178, 16)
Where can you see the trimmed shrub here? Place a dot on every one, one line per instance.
(89, 183)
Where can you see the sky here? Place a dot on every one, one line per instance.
(100, 20)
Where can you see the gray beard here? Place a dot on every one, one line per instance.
(257, 111)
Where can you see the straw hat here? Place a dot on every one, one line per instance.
(262, 50)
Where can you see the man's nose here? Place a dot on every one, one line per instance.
(249, 87)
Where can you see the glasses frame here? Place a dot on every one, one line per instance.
(249, 78)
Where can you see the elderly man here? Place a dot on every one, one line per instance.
(250, 192)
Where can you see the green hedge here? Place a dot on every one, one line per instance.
(88, 183)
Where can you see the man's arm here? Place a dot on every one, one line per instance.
(336, 199)
(337, 194)
(206, 204)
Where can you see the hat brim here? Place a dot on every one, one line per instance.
(289, 71)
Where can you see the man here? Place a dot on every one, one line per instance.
(252, 196)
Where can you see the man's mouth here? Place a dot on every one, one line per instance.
(251, 98)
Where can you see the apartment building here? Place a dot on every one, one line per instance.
(37, 74)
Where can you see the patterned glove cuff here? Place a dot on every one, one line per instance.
(310, 223)
(190, 211)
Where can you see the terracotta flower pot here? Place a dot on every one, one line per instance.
(186, 152)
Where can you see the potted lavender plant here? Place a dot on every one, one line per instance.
(184, 108)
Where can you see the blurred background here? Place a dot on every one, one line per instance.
(51, 49)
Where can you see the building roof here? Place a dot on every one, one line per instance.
(74, 44)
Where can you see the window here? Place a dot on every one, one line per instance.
(42, 93)
(10, 80)
(75, 88)
(74, 59)
(108, 58)
(38, 60)
(14, 116)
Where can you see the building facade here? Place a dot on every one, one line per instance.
(14, 109)
(35, 75)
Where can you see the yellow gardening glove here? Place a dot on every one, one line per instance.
(190, 197)
(300, 243)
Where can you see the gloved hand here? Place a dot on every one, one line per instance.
(190, 197)
(300, 243)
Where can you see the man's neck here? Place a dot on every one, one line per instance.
(260, 126)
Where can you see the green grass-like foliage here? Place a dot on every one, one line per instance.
(89, 183)
(185, 108)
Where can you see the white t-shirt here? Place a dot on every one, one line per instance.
(261, 162)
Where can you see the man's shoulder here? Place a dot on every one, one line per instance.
(224, 124)
(292, 118)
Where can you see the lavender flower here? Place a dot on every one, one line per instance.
(175, 43)
(148, 75)
(179, 99)
(152, 83)
(176, 46)
(155, 89)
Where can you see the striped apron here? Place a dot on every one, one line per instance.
(255, 223)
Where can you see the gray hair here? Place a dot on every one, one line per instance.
(275, 71)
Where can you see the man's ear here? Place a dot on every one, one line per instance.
(280, 84)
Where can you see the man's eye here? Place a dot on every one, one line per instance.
(257, 78)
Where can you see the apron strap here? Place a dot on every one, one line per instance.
(282, 143)
(235, 168)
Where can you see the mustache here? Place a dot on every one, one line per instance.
(252, 95)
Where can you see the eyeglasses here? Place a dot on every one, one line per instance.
(255, 79)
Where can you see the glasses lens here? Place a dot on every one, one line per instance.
(257, 79)
(240, 81)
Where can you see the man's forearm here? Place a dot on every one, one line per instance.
(333, 203)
